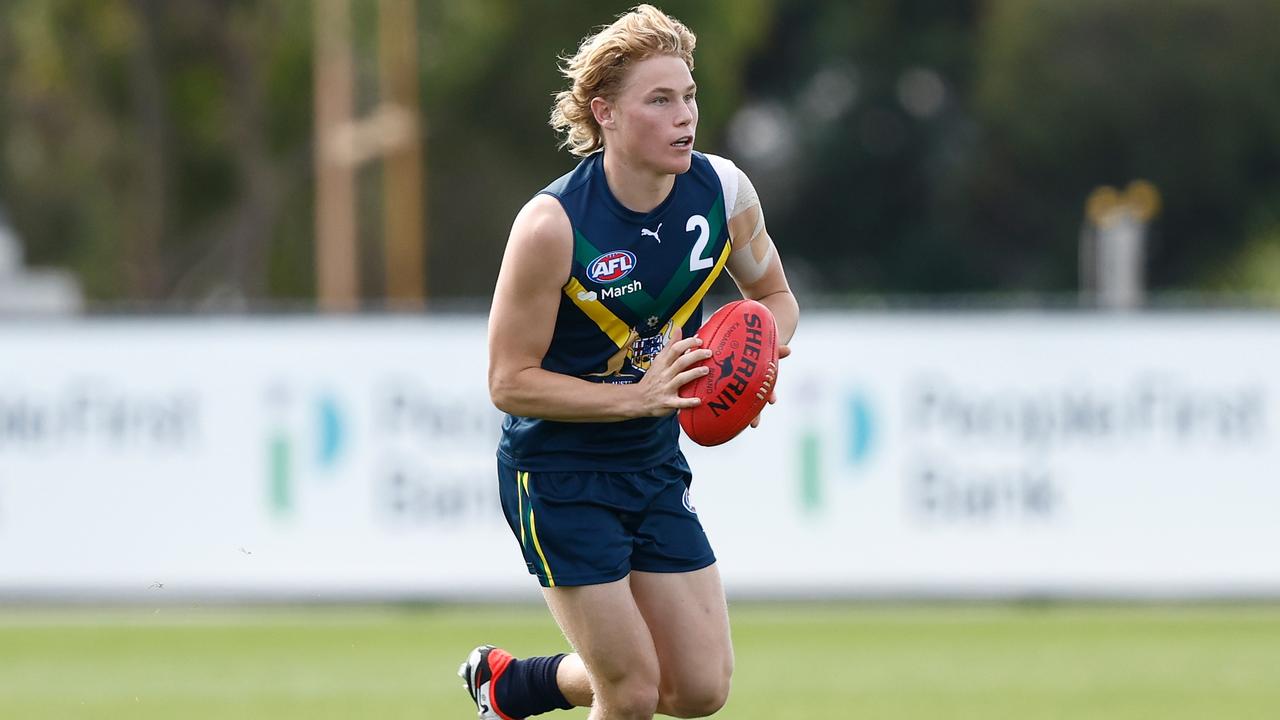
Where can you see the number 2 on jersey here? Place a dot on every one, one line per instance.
(696, 261)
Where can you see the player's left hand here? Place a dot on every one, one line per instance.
(783, 351)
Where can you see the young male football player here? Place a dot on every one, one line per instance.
(591, 335)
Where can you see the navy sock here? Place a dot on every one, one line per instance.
(528, 687)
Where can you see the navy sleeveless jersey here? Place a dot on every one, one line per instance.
(635, 278)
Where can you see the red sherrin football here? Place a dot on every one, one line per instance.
(743, 340)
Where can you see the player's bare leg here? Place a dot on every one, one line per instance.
(574, 682)
(689, 622)
(606, 627)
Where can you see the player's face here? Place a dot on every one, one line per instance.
(657, 114)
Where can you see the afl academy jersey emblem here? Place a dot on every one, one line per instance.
(612, 266)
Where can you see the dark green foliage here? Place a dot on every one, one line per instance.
(162, 150)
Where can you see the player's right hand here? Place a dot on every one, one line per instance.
(671, 370)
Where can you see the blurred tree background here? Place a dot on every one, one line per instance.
(162, 151)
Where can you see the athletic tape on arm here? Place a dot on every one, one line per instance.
(750, 259)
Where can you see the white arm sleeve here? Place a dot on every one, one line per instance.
(729, 174)
(750, 257)
(739, 194)
(748, 199)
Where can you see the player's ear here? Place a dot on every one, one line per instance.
(602, 110)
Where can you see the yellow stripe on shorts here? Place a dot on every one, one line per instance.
(520, 506)
(533, 531)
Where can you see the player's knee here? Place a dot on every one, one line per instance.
(630, 698)
(698, 705)
(701, 700)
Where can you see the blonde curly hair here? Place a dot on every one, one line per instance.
(602, 61)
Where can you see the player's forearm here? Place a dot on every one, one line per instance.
(534, 392)
(786, 313)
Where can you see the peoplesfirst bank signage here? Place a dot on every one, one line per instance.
(325, 459)
(1013, 455)
(994, 455)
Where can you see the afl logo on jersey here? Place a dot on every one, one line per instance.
(611, 266)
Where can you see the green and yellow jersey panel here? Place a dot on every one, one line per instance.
(636, 277)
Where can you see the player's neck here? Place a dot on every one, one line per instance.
(638, 189)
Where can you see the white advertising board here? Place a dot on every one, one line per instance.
(998, 455)
(1012, 455)
(312, 458)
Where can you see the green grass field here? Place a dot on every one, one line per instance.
(793, 661)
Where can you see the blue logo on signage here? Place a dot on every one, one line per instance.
(862, 428)
(325, 426)
(330, 431)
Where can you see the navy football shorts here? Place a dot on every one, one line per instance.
(587, 528)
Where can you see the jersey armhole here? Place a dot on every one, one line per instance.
(573, 236)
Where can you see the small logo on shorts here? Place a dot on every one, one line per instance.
(688, 504)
